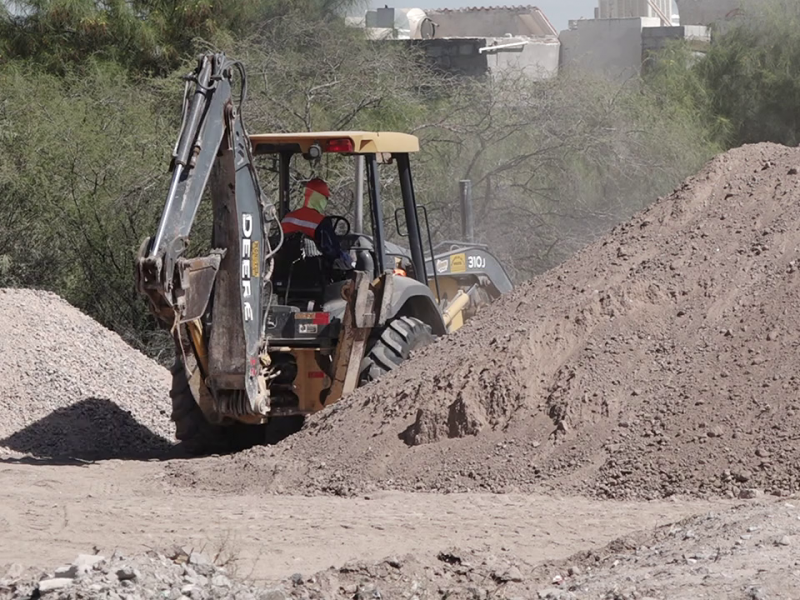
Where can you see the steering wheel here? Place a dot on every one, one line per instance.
(337, 222)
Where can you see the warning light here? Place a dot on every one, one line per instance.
(322, 318)
(400, 272)
(340, 145)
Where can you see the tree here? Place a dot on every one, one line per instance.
(746, 88)
(85, 142)
(148, 36)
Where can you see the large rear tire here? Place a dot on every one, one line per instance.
(397, 340)
(195, 434)
(199, 437)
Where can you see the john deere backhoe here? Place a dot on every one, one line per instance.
(267, 329)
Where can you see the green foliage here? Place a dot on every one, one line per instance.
(82, 162)
(151, 36)
(753, 74)
(88, 122)
(746, 89)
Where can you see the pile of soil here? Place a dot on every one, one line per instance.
(657, 361)
(70, 388)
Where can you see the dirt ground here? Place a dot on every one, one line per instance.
(395, 544)
(623, 427)
(49, 513)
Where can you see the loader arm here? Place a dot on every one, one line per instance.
(217, 297)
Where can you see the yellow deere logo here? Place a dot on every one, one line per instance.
(458, 263)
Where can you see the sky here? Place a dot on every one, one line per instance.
(558, 11)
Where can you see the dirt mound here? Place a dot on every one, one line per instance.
(72, 388)
(657, 361)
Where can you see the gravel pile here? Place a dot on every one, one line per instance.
(747, 552)
(184, 575)
(660, 360)
(71, 388)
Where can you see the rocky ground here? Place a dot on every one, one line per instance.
(747, 552)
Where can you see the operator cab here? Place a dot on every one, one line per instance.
(303, 277)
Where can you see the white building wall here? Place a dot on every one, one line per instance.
(706, 12)
(625, 9)
(537, 58)
(611, 47)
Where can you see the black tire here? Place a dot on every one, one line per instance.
(199, 437)
(399, 338)
(195, 434)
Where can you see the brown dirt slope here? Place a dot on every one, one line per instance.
(658, 361)
(69, 387)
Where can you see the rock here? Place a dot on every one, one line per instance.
(273, 594)
(756, 593)
(57, 583)
(86, 562)
(198, 558)
(193, 591)
(297, 578)
(750, 493)
(66, 572)
(574, 571)
(512, 574)
(15, 571)
(127, 573)
(220, 581)
(793, 171)
(762, 453)
(784, 541)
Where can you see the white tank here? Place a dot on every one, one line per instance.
(413, 23)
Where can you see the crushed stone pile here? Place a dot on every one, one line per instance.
(70, 388)
(184, 574)
(658, 361)
(745, 552)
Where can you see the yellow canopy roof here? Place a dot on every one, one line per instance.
(363, 142)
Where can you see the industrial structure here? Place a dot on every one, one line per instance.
(626, 9)
(622, 39)
(473, 41)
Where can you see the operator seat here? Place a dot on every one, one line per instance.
(299, 269)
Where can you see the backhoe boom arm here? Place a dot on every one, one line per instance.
(222, 291)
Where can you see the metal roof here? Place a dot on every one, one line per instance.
(537, 21)
(364, 142)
